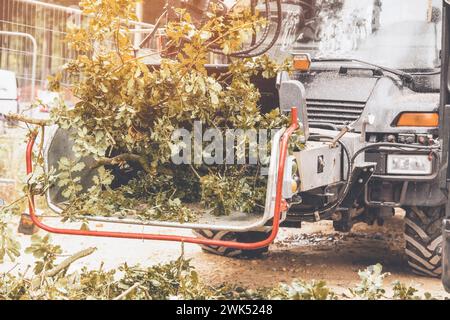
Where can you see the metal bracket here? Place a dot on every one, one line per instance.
(360, 176)
(385, 203)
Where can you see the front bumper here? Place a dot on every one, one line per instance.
(381, 172)
(403, 190)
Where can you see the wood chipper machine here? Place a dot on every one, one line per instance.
(372, 119)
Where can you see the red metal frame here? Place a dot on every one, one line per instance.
(279, 204)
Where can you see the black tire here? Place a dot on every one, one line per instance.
(247, 237)
(423, 236)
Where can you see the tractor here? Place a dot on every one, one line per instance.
(370, 92)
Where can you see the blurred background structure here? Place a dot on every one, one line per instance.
(32, 37)
(151, 9)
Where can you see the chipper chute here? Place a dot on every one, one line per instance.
(279, 172)
(275, 204)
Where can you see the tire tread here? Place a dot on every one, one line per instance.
(423, 239)
(248, 237)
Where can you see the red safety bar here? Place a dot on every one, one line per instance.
(127, 235)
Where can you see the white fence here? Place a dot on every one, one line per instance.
(47, 24)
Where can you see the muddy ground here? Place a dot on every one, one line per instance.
(315, 251)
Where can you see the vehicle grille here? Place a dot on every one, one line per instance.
(338, 113)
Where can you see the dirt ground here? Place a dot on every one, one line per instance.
(313, 252)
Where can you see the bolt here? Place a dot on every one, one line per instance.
(422, 140)
(390, 138)
(410, 140)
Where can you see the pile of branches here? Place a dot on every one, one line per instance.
(49, 280)
(127, 111)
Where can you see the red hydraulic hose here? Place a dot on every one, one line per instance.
(196, 240)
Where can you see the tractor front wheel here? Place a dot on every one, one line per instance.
(423, 236)
(246, 237)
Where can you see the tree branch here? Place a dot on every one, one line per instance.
(66, 263)
(23, 118)
(125, 157)
(37, 282)
(126, 292)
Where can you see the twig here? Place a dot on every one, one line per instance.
(125, 157)
(23, 118)
(41, 144)
(195, 172)
(14, 202)
(10, 270)
(155, 29)
(137, 59)
(66, 263)
(126, 292)
(37, 282)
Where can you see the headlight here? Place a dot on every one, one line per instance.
(409, 164)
